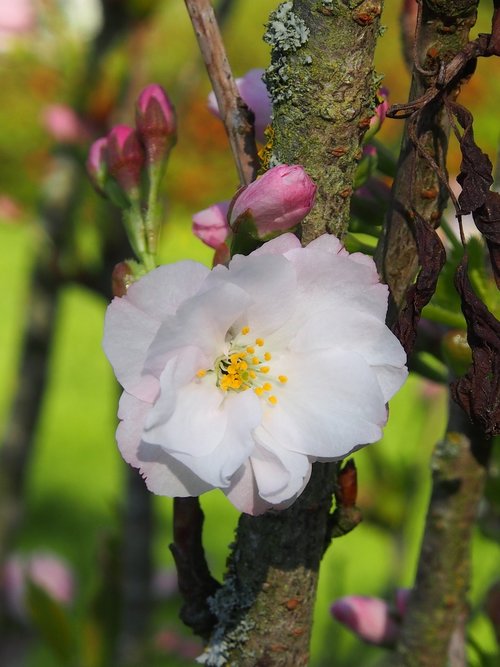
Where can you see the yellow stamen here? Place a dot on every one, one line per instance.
(259, 391)
(267, 356)
(259, 342)
(267, 386)
(250, 350)
(282, 378)
(245, 330)
(252, 374)
(264, 369)
(201, 373)
(255, 360)
(273, 400)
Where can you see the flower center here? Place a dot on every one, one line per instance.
(246, 367)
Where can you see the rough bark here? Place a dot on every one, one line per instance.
(433, 628)
(443, 32)
(323, 95)
(265, 607)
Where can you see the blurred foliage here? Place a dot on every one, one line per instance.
(75, 490)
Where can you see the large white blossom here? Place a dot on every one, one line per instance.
(239, 378)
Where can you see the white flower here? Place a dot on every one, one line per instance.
(241, 377)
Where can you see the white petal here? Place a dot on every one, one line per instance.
(327, 243)
(202, 321)
(350, 329)
(278, 246)
(163, 474)
(280, 473)
(331, 404)
(128, 333)
(270, 282)
(243, 492)
(160, 292)
(132, 321)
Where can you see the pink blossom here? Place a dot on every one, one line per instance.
(211, 225)
(63, 124)
(240, 378)
(275, 202)
(254, 93)
(156, 123)
(46, 570)
(17, 17)
(369, 618)
(125, 156)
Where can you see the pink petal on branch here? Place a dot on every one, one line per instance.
(275, 202)
(369, 618)
(254, 93)
(211, 225)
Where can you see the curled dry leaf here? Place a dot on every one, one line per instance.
(478, 391)
(432, 256)
(476, 197)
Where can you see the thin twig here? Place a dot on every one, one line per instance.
(237, 118)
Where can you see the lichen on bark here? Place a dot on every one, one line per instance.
(323, 91)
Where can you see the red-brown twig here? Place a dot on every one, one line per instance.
(237, 118)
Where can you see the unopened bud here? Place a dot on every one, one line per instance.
(125, 157)
(97, 166)
(156, 123)
(369, 618)
(274, 203)
(211, 226)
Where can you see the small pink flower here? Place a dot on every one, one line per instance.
(46, 570)
(211, 226)
(63, 124)
(275, 202)
(254, 93)
(369, 618)
(125, 157)
(156, 123)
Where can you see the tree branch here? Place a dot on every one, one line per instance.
(443, 30)
(237, 118)
(433, 624)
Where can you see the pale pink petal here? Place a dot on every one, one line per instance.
(162, 473)
(278, 246)
(369, 618)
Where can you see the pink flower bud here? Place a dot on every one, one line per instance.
(46, 570)
(125, 157)
(97, 167)
(254, 93)
(63, 124)
(275, 202)
(381, 109)
(211, 226)
(155, 122)
(369, 618)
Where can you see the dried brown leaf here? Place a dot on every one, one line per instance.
(432, 256)
(478, 391)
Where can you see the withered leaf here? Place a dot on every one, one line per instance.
(478, 391)
(487, 219)
(432, 256)
(475, 169)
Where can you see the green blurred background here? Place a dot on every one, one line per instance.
(75, 486)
